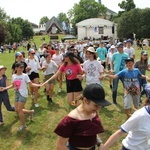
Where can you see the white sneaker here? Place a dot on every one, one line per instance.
(59, 90)
(32, 97)
(36, 105)
(31, 114)
(22, 127)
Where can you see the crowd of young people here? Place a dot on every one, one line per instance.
(74, 62)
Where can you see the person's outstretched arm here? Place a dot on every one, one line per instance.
(62, 143)
(112, 139)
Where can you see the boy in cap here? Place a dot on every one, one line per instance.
(130, 78)
(117, 64)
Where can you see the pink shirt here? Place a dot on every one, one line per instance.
(71, 71)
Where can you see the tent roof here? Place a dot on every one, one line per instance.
(53, 21)
(94, 22)
(69, 37)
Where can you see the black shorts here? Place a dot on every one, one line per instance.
(33, 75)
(73, 85)
(123, 148)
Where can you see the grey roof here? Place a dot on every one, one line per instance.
(93, 22)
(53, 21)
(111, 12)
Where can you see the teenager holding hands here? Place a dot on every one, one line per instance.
(19, 83)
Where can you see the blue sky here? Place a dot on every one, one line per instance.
(34, 10)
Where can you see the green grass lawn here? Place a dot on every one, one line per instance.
(39, 134)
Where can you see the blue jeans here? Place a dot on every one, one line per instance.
(5, 99)
(114, 89)
(142, 82)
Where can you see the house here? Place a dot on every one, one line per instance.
(109, 13)
(97, 28)
(53, 26)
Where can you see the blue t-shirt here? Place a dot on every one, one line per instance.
(119, 61)
(130, 80)
(102, 53)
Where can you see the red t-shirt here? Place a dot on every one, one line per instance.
(81, 133)
(71, 70)
(52, 52)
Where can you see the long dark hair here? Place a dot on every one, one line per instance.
(73, 60)
(141, 62)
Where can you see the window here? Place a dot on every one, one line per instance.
(101, 30)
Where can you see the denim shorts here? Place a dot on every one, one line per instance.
(19, 97)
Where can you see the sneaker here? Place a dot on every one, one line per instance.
(50, 100)
(110, 86)
(1, 123)
(36, 105)
(32, 97)
(59, 90)
(47, 97)
(22, 127)
(31, 114)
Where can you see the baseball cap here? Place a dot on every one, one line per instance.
(19, 65)
(32, 51)
(2, 67)
(96, 93)
(129, 59)
(18, 54)
(128, 41)
(91, 49)
(112, 46)
(120, 44)
(68, 54)
(144, 53)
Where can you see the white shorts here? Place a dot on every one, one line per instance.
(128, 99)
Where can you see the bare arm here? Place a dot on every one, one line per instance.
(112, 139)
(111, 76)
(7, 84)
(53, 77)
(34, 84)
(61, 143)
(8, 87)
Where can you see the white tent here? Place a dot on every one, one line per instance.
(97, 28)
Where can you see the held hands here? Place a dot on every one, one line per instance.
(2, 89)
(147, 78)
(80, 77)
(28, 68)
(103, 76)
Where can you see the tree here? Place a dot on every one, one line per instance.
(84, 10)
(25, 26)
(44, 20)
(62, 17)
(14, 32)
(3, 15)
(135, 21)
(127, 5)
(3, 32)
